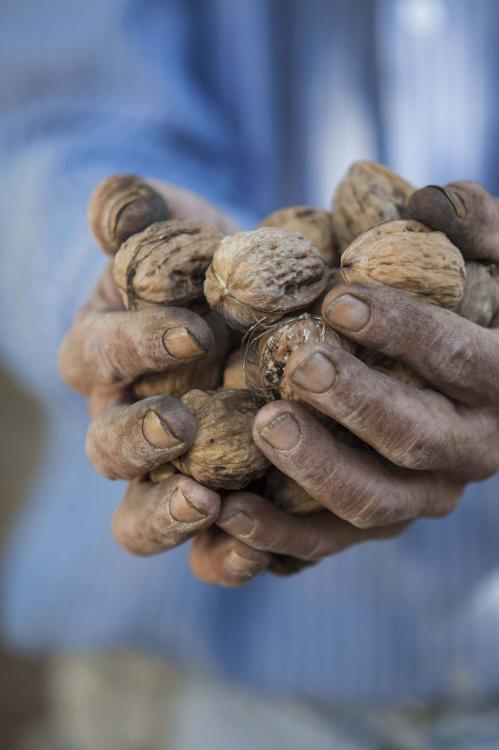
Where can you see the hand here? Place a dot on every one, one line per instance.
(106, 349)
(428, 444)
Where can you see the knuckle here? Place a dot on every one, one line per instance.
(124, 535)
(365, 411)
(456, 361)
(97, 458)
(447, 502)
(316, 475)
(106, 369)
(419, 453)
(316, 547)
(69, 366)
(364, 519)
(370, 511)
(107, 455)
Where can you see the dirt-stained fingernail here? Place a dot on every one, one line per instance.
(242, 565)
(181, 344)
(157, 432)
(456, 200)
(283, 433)
(183, 509)
(435, 205)
(348, 312)
(240, 524)
(315, 374)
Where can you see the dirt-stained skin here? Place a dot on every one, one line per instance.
(425, 444)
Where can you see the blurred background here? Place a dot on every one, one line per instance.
(23, 688)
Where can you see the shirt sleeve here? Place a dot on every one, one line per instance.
(87, 89)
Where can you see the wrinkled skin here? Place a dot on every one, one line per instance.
(427, 444)
(108, 348)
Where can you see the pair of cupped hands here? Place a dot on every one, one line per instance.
(428, 444)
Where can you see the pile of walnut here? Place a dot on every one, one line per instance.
(260, 292)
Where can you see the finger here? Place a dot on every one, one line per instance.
(263, 526)
(184, 204)
(126, 441)
(458, 357)
(465, 212)
(284, 565)
(221, 559)
(349, 481)
(415, 429)
(123, 205)
(106, 295)
(104, 397)
(154, 518)
(116, 347)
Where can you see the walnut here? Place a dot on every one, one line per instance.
(234, 372)
(368, 195)
(165, 264)
(258, 277)
(206, 375)
(288, 495)
(223, 454)
(480, 301)
(312, 223)
(123, 205)
(267, 352)
(408, 256)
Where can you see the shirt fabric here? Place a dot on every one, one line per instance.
(255, 104)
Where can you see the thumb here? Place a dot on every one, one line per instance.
(465, 212)
(184, 204)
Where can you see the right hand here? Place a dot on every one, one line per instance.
(105, 350)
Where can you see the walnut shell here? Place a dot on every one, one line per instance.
(121, 206)
(288, 495)
(267, 352)
(480, 301)
(206, 375)
(223, 454)
(234, 372)
(258, 277)
(408, 256)
(368, 195)
(312, 223)
(165, 264)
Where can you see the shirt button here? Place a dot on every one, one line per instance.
(421, 17)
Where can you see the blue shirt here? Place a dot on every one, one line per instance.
(255, 104)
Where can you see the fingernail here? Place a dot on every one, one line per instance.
(181, 344)
(456, 201)
(315, 374)
(184, 510)
(242, 565)
(157, 432)
(348, 312)
(282, 433)
(240, 524)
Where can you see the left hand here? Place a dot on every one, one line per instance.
(428, 443)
